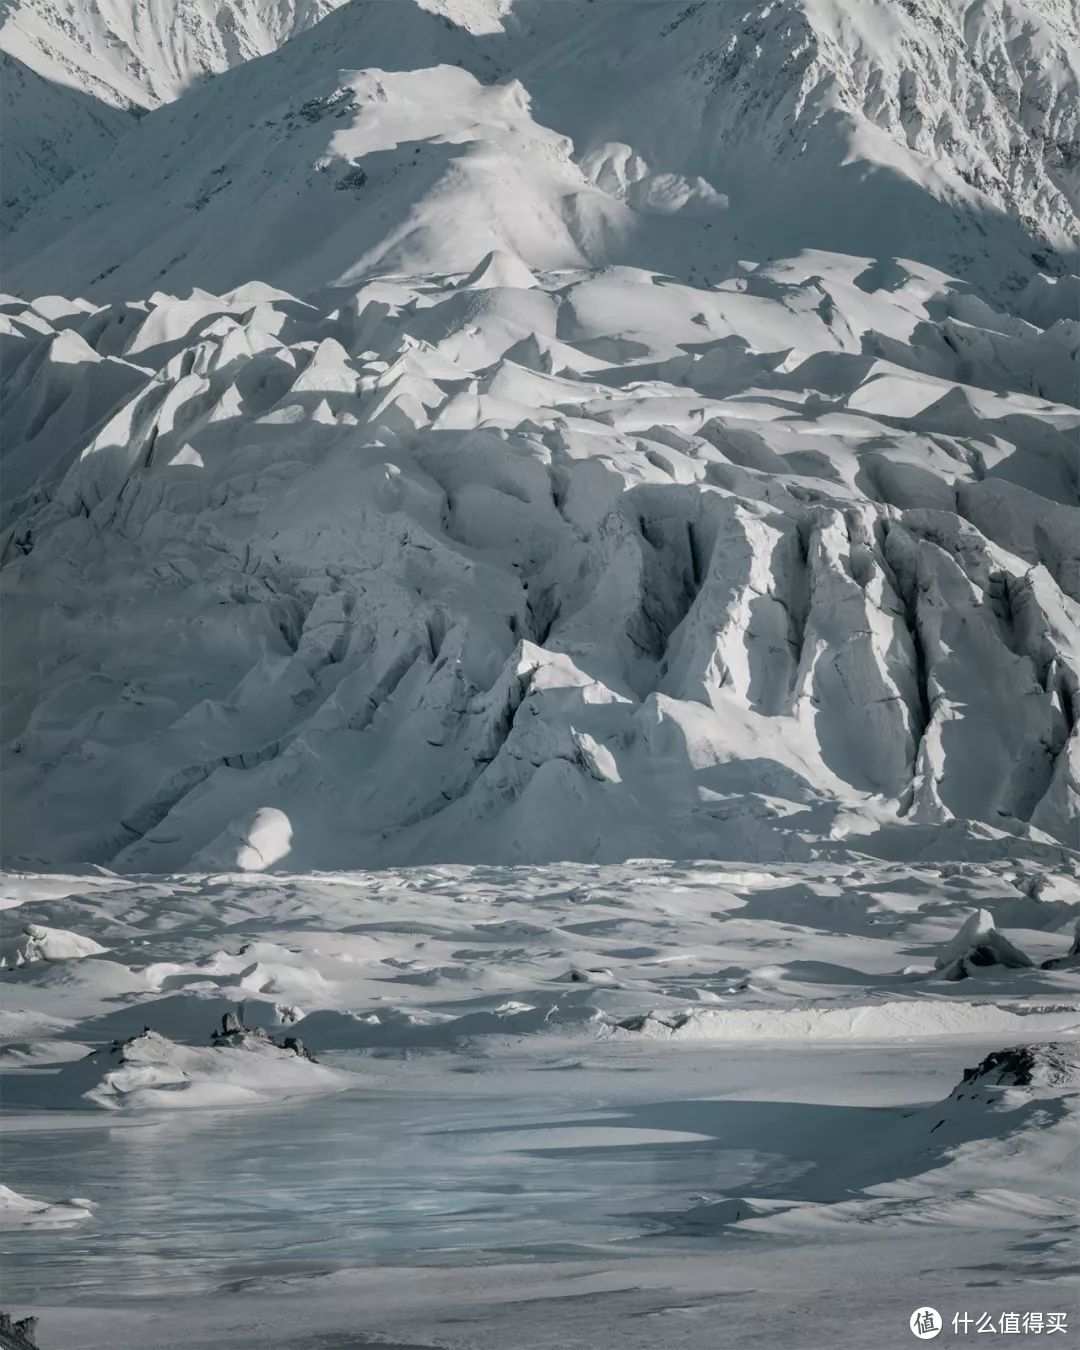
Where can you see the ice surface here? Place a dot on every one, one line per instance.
(541, 568)
(821, 1115)
(409, 576)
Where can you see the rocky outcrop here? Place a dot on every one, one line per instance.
(18, 1334)
(1052, 1065)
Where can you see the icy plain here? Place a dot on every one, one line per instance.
(649, 1104)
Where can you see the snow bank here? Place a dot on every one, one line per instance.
(893, 1020)
(38, 943)
(151, 1073)
(250, 844)
(18, 1211)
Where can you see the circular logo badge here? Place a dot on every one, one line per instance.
(925, 1323)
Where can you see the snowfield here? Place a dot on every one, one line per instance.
(541, 685)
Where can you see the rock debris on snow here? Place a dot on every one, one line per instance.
(1050, 1065)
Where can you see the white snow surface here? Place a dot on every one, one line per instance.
(149, 1072)
(518, 566)
(141, 53)
(415, 137)
(446, 957)
(37, 942)
(457, 460)
(541, 560)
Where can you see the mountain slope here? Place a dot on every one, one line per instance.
(76, 73)
(945, 131)
(50, 132)
(129, 54)
(680, 460)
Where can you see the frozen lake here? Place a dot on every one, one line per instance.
(605, 1173)
(185, 1201)
(654, 1107)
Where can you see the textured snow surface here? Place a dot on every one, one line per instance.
(50, 132)
(39, 943)
(415, 137)
(540, 563)
(448, 957)
(139, 53)
(521, 566)
(459, 460)
(149, 1072)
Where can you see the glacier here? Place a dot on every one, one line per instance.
(523, 566)
(540, 564)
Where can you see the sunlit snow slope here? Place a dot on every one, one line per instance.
(680, 461)
(140, 53)
(409, 136)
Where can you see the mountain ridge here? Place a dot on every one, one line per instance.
(675, 126)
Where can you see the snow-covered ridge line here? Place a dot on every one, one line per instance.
(910, 1019)
(413, 137)
(128, 55)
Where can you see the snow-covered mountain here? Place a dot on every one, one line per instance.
(413, 138)
(680, 461)
(50, 132)
(142, 53)
(516, 566)
(75, 73)
(540, 572)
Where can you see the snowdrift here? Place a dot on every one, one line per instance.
(149, 1072)
(19, 1211)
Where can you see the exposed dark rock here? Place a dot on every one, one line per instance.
(20, 1335)
(1055, 1064)
(235, 1034)
(1069, 961)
